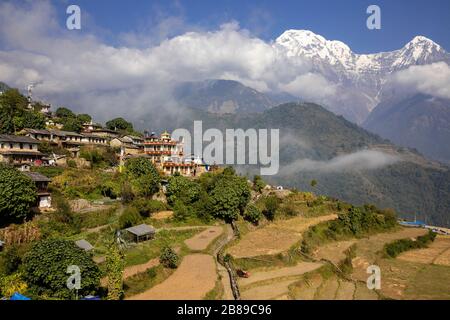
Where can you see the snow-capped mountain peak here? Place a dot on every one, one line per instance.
(360, 77)
(307, 43)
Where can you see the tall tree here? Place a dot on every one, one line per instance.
(119, 124)
(12, 104)
(115, 264)
(17, 194)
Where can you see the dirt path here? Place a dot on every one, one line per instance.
(299, 269)
(133, 270)
(275, 237)
(221, 270)
(193, 279)
(202, 240)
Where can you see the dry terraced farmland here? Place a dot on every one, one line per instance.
(276, 237)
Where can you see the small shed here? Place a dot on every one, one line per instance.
(83, 244)
(141, 232)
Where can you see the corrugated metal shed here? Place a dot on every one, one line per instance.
(141, 230)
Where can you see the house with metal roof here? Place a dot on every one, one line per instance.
(44, 198)
(141, 232)
(19, 151)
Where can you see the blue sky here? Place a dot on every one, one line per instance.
(336, 20)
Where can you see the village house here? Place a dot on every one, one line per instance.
(137, 141)
(70, 141)
(168, 155)
(19, 151)
(44, 199)
(91, 126)
(89, 138)
(126, 145)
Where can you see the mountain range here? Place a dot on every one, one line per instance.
(360, 79)
(348, 162)
(364, 93)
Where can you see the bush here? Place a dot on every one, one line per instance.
(252, 214)
(258, 183)
(152, 273)
(146, 207)
(169, 258)
(180, 211)
(271, 205)
(64, 213)
(11, 284)
(11, 260)
(130, 217)
(393, 249)
(71, 163)
(45, 269)
(126, 193)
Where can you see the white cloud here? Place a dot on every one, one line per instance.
(80, 71)
(310, 86)
(357, 161)
(432, 79)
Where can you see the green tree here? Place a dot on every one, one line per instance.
(143, 175)
(258, 183)
(84, 118)
(72, 124)
(29, 119)
(130, 217)
(252, 214)
(45, 269)
(115, 264)
(169, 258)
(13, 109)
(313, 183)
(17, 194)
(181, 188)
(63, 113)
(119, 124)
(180, 211)
(229, 197)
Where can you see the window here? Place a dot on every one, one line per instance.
(21, 145)
(31, 147)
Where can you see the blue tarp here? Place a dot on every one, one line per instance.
(413, 223)
(18, 296)
(91, 298)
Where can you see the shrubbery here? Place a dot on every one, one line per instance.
(252, 214)
(147, 207)
(356, 222)
(393, 249)
(45, 269)
(271, 205)
(130, 217)
(169, 258)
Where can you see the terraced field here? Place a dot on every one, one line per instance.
(276, 237)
